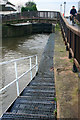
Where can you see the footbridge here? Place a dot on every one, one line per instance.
(33, 16)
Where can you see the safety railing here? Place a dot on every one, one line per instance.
(16, 72)
(71, 35)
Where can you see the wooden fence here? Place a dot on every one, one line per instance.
(71, 37)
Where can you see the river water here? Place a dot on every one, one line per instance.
(13, 48)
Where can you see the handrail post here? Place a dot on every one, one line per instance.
(36, 63)
(31, 68)
(17, 84)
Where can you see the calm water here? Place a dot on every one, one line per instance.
(13, 48)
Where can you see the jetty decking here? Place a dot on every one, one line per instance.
(36, 102)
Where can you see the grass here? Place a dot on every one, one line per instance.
(57, 28)
(61, 51)
(55, 112)
(55, 99)
(71, 60)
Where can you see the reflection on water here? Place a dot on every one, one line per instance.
(13, 48)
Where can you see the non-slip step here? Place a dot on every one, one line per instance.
(33, 107)
(35, 98)
(35, 110)
(41, 83)
(30, 111)
(40, 87)
(23, 100)
(37, 102)
(39, 94)
(44, 80)
(45, 76)
(39, 77)
(13, 116)
(38, 90)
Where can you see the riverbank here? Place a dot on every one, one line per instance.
(66, 81)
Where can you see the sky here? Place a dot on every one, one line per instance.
(51, 5)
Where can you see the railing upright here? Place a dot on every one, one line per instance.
(31, 68)
(36, 63)
(16, 73)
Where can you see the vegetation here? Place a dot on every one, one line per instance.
(55, 99)
(29, 6)
(55, 113)
(57, 27)
(71, 60)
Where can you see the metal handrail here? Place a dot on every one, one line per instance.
(6, 62)
(16, 73)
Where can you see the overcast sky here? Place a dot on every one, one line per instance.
(48, 4)
(22, 2)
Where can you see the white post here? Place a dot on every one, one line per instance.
(31, 68)
(64, 8)
(17, 84)
(61, 8)
(36, 63)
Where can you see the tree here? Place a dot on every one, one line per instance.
(30, 6)
(34, 7)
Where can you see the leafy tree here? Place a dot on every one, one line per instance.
(23, 9)
(30, 6)
(34, 7)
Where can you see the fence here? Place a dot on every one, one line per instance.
(78, 17)
(16, 72)
(71, 37)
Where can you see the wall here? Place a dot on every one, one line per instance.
(23, 30)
